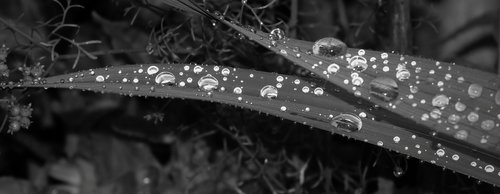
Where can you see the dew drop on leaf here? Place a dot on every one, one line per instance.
(384, 88)
(329, 47)
(347, 122)
(237, 90)
(99, 78)
(152, 70)
(318, 91)
(333, 68)
(475, 90)
(165, 77)
(276, 34)
(440, 101)
(358, 63)
(403, 74)
(269, 91)
(208, 83)
(225, 72)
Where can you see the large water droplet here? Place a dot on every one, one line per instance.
(269, 91)
(333, 68)
(475, 90)
(329, 47)
(208, 83)
(358, 63)
(276, 34)
(165, 77)
(384, 88)
(440, 101)
(347, 122)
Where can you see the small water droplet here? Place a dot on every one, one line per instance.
(237, 90)
(333, 68)
(276, 34)
(384, 88)
(197, 69)
(475, 90)
(225, 72)
(283, 108)
(152, 70)
(357, 81)
(453, 119)
(440, 152)
(165, 77)
(489, 168)
(440, 101)
(329, 47)
(347, 122)
(305, 89)
(318, 91)
(396, 139)
(459, 106)
(99, 78)
(473, 117)
(358, 63)
(455, 157)
(269, 91)
(403, 74)
(461, 134)
(208, 83)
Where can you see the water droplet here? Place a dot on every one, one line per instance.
(208, 83)
(384, 88)
(347, 122)
(440, 152)
(152, 70)
(473, 117)
(461, 134)
(440, 101)
(357, 81)
(305, 89)
(237, 90)
(413, 89)
(455, 157)
(165, 77)
(475, 90)
(276, 34)
(459, 106)
(318, 91)
(398, 171)
(380, 143)
(225, 72)
(333, 68)
(396, 139)
(435, 113)
(329, 47)
(197, 69)
(489, 168)
(487, 125)
(358, 63)
(99, 78)
(403, 74)
(269, 91)
(283, 108)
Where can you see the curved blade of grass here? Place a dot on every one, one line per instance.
(474, 130)
(303, 106)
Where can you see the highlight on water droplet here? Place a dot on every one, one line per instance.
(152, 70)
(329, 47)
(269, 91)
(475, 90)
(440, 101)
(276, 34)
(358, 63)
(333, 68)
(208, 83)
(384, 88)
(165, 77)
(347, 122)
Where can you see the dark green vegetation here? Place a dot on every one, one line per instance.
(239, 150)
